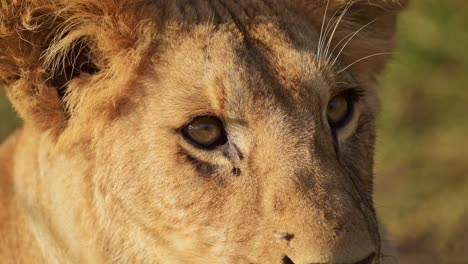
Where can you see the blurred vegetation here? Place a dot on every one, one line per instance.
(8, 119)
(422, 146)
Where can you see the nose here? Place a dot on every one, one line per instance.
(341, 238)
(368, 260)
(322, 227)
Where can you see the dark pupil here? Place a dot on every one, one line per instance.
(338, 109)
(206, 131)
(334, 105)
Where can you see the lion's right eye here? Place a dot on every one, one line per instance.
(339, 110)
(205, 132)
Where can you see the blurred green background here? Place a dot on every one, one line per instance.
(422, 148)
(422, 144)
(8, 119)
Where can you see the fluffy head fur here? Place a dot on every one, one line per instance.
(100, 172)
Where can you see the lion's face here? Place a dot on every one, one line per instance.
(231, 136)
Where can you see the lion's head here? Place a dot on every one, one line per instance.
(207, 131)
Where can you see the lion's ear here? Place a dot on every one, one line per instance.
(362, 30)
(57, 57)
(25, 33)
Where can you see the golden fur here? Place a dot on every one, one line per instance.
(100, 174)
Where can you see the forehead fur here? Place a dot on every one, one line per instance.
(118, 26)
(39, 39)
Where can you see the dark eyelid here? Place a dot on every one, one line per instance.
(192, 117)
(353, 93)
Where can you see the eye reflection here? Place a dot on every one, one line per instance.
(339, 111)
(205, 132)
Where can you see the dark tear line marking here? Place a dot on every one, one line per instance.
(202, 167)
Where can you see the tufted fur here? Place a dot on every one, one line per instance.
(99, 173)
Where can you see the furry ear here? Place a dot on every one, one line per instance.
(359, 32)
(54, 52)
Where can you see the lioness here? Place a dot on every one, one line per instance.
(192, 131)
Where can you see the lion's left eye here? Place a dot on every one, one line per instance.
(340, 111)
(205, 132)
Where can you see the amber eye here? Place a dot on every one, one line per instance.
(205, 132)
(339, 111)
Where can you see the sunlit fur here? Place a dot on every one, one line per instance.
(100, 173)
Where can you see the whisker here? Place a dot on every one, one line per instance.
(364, 58)
(336, 27)
(347, 42)
(341, 41)
(330, 25)
(321, 30)
(328, 28)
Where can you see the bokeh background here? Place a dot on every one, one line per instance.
(422, 149)
(422, 144)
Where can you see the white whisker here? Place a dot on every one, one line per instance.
(330, 25)
(347, 42)
(321, 30)
(336, 27)
(366, 57)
